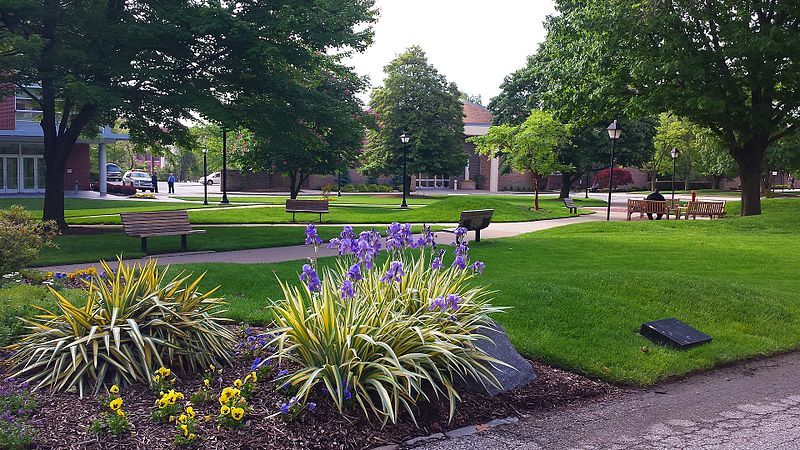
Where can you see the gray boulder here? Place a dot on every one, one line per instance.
(499, 347)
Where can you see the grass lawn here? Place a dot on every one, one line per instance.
(77, 207)
(446, 210)
(107, 245)
(388, 199)
(580, 293)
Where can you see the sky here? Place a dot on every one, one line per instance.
(473, 43)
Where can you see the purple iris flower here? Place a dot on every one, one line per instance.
(460, 232)
(477, 266)
(312, 406)
(284, 408)
(348, 289)
(354, 273)
(309, 276)
(437, 262)
(451, 300)
(459, 262)
(395, 272)
(462, 249)
(311, 235)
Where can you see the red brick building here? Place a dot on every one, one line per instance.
(22, 167)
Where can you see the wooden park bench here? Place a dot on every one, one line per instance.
(155, 224)
(474, 220)
(710, 209)
(307, 206)
(653, 207)
(570, 205)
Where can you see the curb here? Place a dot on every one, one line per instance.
(452, 434)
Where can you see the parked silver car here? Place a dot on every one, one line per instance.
(138, 179)
(113, 173)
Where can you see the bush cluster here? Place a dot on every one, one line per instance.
(370, 187)
(129, 322)
(383, 335)
(22, 238)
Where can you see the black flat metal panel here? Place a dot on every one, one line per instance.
(673, 332)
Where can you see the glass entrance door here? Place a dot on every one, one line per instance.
(9, 169)
(32, 180)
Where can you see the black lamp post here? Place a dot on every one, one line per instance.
(405, 139)
(614, 132)
(205, 176)
(224, 200)
(339, 183)
(675, 153)
(588, 169)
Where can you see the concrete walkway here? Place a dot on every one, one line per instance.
(298, 252)
(754, 405)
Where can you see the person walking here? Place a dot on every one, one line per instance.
(171, 183)
(791, 182)
(657, 197)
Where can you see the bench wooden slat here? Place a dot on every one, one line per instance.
(144, 225)
(570, 205)
(307, 206)
(475, 220)
(710, 209)
(652, 207)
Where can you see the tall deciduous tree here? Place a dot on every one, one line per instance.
(154, 63)
(729, 65)
(321, 134)
(530, 147)
(416, 99)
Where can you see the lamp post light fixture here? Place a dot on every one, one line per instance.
(405, 139)
(224, 183)
(205, 176)
(614, 132)
(675, 153)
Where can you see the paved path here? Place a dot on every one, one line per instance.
(754, 405)
(292, 253)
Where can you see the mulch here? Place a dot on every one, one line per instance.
(63, 419)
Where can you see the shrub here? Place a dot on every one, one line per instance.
(17, 405)
(621, 178)
(130, 322)
(383, 336)
(22, 237)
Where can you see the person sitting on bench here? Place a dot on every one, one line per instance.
(655, 196)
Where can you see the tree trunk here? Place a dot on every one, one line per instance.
(749, 158)
(296, 180)
(54, 189)
(653, 181)
(716, 181)
(536, 192)
(566, 184)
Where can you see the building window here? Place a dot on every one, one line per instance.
(26, 107)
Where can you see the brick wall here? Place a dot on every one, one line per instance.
(7, 113)
(78, 163)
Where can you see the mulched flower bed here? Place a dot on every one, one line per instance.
(62, 419)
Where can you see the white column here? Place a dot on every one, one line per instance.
(494, 175)
(101, 149)
(466, 172)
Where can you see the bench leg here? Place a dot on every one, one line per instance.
(477, 235)
(320, 218)
(144, 245)
(292, 217)
(184, 245)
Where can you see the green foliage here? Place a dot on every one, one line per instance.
(158, 65)
(131, 322)
(530, 147)
(17, 301)
(418, 100)
(113, 419)
(22, 238)
(728, 66)
(17, 404)
(387, 348)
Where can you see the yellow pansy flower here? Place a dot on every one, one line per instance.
(206, 382)
(115, 404)
(237, 413)
(238, 383)
(225, 410)
(114, 389)
(185, 430)
(192, 436)
(183, 418)
(254, 376)
(190, 411)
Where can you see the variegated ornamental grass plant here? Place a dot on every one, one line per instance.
(383, 334)
(133, 322)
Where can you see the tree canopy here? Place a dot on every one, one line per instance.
(418, 100)
(728, 65)
(530, 147)
(156, 64)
